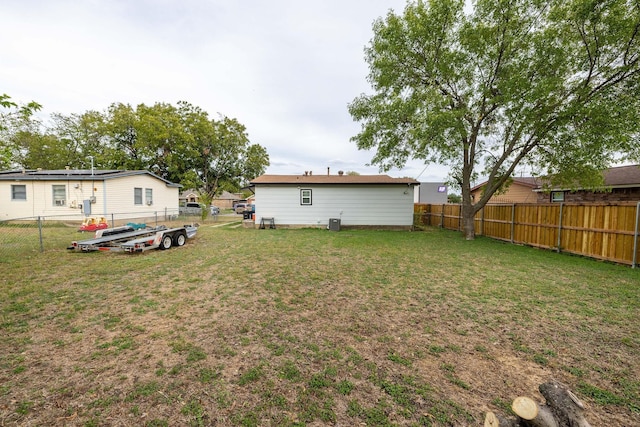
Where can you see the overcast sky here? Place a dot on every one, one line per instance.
(286, 69)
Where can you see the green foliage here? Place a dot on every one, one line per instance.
(251, 375)
(454, 198)
(601, 396)
(180, 143)
(15, 123)
(550, 84)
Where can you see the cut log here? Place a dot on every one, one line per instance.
(562, 409)
(525, 407)
(534, 415)
(565, 405)
(492, 420)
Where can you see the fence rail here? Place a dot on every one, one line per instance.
(602, 231)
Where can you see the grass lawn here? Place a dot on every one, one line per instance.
(311, 327)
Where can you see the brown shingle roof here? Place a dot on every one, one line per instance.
(622, 176)
(331, 179)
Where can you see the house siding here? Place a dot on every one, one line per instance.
(119, 196)
(516, 193)
(631, 194)
(354, 205)
(112, 196)
(40, 199)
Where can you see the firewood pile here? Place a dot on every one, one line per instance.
(561, 409)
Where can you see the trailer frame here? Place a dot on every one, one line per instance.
(126, 239)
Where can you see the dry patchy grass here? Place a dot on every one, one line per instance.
(310, 327)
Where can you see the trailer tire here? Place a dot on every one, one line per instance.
(166, 242)
(180, 239)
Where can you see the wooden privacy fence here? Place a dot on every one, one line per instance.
(603, 231)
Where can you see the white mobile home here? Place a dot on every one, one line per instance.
(362, 201)
(72, 194)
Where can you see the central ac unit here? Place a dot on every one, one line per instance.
(334, 224)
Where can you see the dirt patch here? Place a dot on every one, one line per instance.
(324, 333)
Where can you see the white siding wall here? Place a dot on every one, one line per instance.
(40, 199)
(355, 205)
(118, 194)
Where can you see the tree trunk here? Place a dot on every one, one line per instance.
(565, 405)
(468, 225)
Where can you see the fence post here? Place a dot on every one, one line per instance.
(635, 237)
(513, 221)
(560, 228)
(156, 214)
(40, 233)
(442, 217)
(113, 221)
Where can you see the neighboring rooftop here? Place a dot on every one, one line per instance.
(618, 177)
(332, 179)
(622, 176)
(75, 174)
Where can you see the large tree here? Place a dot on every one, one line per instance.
(553, 84)
(180, 143)
(17, 126)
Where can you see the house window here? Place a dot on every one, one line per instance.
(59, 195)
(557, 196)
(137, 196)
(18, 192)
(305, 197)
(148, 196)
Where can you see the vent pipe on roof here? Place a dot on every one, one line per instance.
(328, 171)
(340, 173)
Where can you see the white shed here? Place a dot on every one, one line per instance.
(72, 193)
(361, 201)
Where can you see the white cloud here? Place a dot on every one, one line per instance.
(286, 69)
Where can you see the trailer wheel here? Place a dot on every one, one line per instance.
(180, 239)
(166, 242)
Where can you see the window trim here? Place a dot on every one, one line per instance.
(306, 193)
(14, 193)
(138, 196)
(554, 196)
(55, 199)
(148, 196)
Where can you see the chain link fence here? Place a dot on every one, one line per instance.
(30, 236)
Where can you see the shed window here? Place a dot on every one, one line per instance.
(305, 197)
(59, 195)
(557, 196)
(18, 192)
(137, 196)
